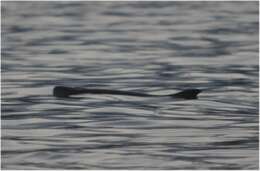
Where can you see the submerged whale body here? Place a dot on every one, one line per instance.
(65, 92)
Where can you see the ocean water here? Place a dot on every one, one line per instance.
(151, 47)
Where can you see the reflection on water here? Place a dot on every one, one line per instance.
(152, 47)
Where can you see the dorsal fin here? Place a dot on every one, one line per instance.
(187, 94)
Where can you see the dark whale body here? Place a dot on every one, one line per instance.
(62, 91)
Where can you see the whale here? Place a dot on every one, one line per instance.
(66, 92)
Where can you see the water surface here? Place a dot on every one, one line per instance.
(152, 47)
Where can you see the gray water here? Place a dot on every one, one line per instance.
(151, 47)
